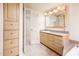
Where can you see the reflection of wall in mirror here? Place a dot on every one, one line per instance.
(60, 20)
(50, 20)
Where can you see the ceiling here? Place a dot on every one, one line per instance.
(42, 7)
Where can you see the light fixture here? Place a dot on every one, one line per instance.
(63, 7)
(59, 8)
(55, 10)
(50, 12)
(45, 13)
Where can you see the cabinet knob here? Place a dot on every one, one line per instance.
(11, 24)
(11, 51)
(11, 33)
(11, 42)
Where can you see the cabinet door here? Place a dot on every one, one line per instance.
(11, 43)
(5, 11)
(11, 35)
(11, 25)
(43, 38)
(11, 52)
(11, 11)
(56, 48)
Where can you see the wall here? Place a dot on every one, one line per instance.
(34, 29)
(41, 24)
(73, 25)
(41, 21)
(37, 24)
(21, 30)
(1, 29)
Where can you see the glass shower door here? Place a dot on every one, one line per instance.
(27, 19)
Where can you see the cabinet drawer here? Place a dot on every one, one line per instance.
(11, 43)
(11, 26)
(43, 38)
(11, 51)
(55, 48)
(10, 35)
(56, 44)
(51, 38)
(55, 39)
(44, 41)
(58, 37)
(43, 34)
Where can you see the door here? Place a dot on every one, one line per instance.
(27, 20)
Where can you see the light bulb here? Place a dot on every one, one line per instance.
(55, 10)
(58, 7)
(50, 12)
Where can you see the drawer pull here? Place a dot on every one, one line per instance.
(11, 42)
(11, 51)
(11, 33)
(11, 24)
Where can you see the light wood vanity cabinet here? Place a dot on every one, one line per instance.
(11, 29)
(11, 43)
(11, 25)
(11, 35)
(54, 42)
(11, 52)
(43, 38)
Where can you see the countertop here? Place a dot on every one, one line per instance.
(60, 33)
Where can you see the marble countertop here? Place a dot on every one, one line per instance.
(60, 33)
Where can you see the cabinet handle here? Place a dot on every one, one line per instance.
(11, 51)
(11, 24)
(11, 42)
(11, 33)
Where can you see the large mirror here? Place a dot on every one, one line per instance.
(55, 18)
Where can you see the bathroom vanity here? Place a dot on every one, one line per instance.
(57, 41)
(55, 35)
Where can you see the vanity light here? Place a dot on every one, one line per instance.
(50, 12)
(55, 10)
(45, 13)
(59, 8)
(63, 8)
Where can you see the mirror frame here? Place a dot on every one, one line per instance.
(65, 20)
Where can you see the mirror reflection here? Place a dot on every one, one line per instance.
(55, 18)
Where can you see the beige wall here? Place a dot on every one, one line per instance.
(37, 23)
(73, 24)
(21, 30)
(1, 29)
